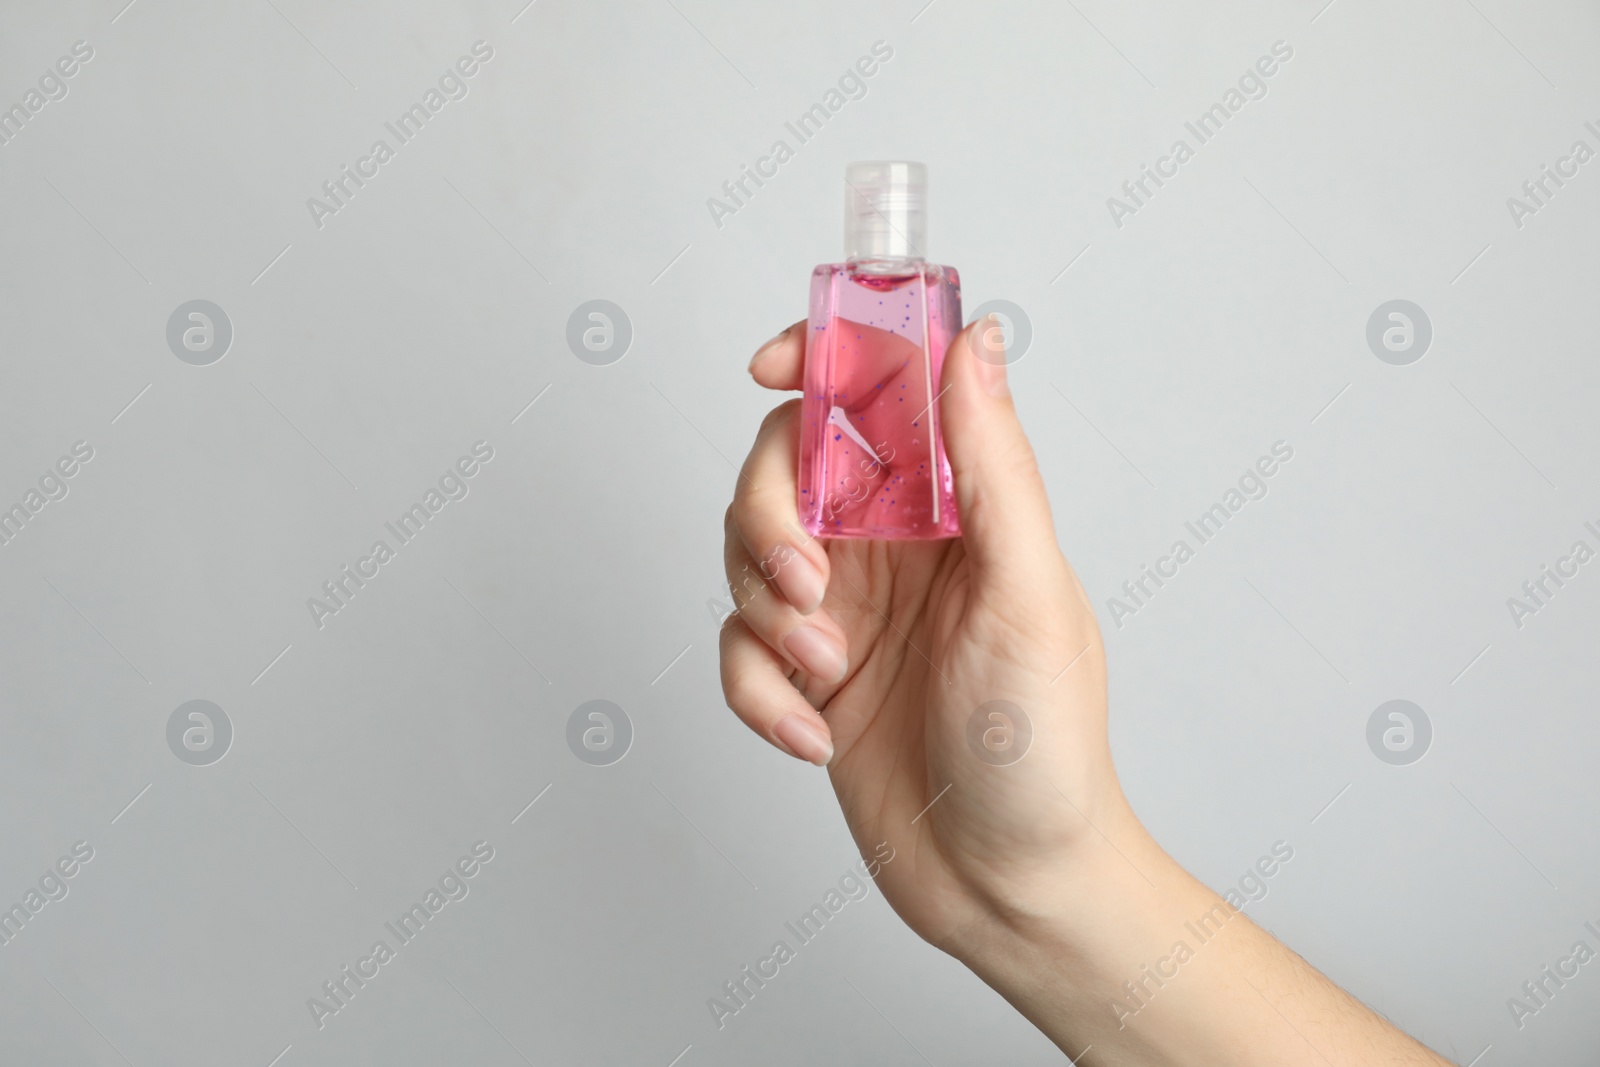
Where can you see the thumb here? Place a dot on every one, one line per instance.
(1005, 516)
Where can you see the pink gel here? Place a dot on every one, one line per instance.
(872, 458)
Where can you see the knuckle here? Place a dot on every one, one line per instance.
(747, 589)
(1019, 457)
(739, 690)
(779, 416)
(755, 522)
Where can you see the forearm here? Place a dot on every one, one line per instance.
(1136, 960)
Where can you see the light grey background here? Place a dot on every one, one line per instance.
(369, 354)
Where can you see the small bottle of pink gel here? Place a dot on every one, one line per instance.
(872, 460)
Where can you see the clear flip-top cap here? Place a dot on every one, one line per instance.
(885, 210)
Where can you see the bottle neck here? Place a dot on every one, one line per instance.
(886, 265)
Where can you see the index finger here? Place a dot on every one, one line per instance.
(780, 363)
(765, 513)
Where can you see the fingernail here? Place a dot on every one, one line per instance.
(761, 353)
(801, 582)
(818, 653)
(804, 738)
(988, 343)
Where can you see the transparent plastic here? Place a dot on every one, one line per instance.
(872, 459)
(885, 211)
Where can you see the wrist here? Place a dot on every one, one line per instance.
(1066, 938)
(1082, 871)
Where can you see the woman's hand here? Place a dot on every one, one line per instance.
(918, 671)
